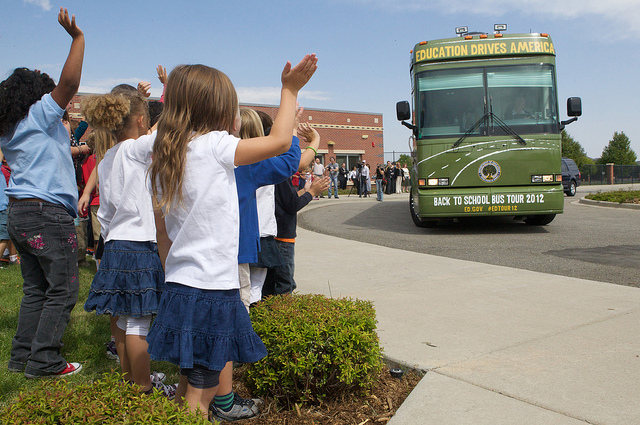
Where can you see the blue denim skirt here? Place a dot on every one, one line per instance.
(130, 280)
(202, 327)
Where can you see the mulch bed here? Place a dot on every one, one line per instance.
(375, 408)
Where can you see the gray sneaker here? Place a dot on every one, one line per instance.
(168, 390)
(242, 409)
(157, 377)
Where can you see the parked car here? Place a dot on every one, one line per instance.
(570, 176)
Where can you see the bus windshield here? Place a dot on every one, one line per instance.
(452, 101)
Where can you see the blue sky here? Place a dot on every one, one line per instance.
(363, 48)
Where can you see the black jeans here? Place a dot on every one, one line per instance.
(44, 235)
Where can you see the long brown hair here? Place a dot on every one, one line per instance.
(198, 99)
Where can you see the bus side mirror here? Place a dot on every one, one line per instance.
(403, 110)
(574, 107)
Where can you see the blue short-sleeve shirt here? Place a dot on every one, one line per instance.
(39, 154)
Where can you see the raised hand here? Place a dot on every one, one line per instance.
(144, 87)
(295, 78)
(307, 132)
(297, 119)
(69, 24)
(162, 74)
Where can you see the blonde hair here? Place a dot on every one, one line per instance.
(110, 115)
(251, 124)
(198, 99)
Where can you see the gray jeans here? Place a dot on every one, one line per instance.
(44, 235)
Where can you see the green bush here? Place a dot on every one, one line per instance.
(105, 401)
(318, 348)
(619, 196)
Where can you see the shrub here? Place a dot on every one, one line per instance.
(105, 401)
(318, 348)
(619, 196)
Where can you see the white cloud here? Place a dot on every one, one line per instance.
(44, 4)
(619, 15)
(271, 95)
(105, 86)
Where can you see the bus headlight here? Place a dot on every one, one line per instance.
(542, 178)
(438, 182)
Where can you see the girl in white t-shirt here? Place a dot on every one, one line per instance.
(130, 279)
(202, 323)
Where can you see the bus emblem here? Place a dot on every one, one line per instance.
(489, 171)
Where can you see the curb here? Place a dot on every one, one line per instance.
(609, 204)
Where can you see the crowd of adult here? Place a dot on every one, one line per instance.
(389, 179)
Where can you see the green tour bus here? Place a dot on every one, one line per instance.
(486, 128)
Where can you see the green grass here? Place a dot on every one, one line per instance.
(619, 196)
(83, 339)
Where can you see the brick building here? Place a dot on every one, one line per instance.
(349, 136)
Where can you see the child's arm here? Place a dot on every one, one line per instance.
(312, 136)
(162, 238)
(71, 72)
(84, 200)
(278, 141)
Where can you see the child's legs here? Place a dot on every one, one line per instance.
(95, 224)
(113, 325)
(226, 380)
(120, 335)
(283, 279)
(201, 386)
(33, 288)
(3, 246)
(45, 237)
(245, 283)
(81, 231)
(134, 348)
(258, 276)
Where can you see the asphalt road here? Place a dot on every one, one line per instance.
(588, 242)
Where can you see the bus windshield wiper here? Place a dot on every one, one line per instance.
(493, 117)
(472, 129)
(507, 129)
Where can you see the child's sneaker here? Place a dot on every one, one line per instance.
(242, 408)
(112, 353)
(168, 390)
(158, 377)
(71, 369)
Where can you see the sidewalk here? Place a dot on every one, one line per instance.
(501, 345)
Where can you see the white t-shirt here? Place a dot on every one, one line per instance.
(266, 200)
(318, 169)
(126, 211)
(204, 230)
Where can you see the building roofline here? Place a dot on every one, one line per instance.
(314, 109)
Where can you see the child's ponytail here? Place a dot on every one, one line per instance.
(110, 115)
(106, 114)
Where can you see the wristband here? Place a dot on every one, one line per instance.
(315, 151)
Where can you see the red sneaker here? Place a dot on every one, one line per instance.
(72, 368)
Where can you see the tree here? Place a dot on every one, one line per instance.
(405, 159)
(618, 151)
(574, 150)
